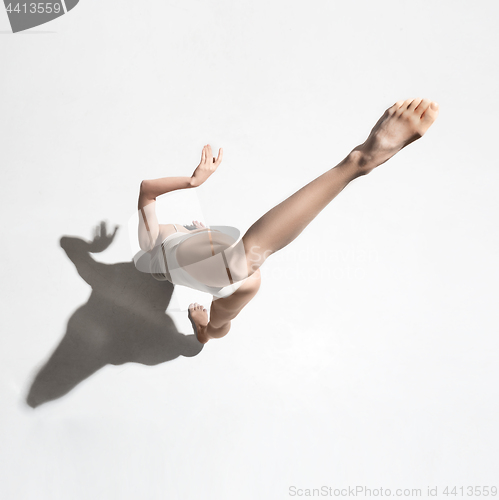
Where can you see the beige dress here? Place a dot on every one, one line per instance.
(186, 259)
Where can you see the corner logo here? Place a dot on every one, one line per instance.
(25, 15)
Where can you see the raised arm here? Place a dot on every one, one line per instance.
(148, 221)
(151, 189)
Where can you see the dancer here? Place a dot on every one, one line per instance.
(213, 262)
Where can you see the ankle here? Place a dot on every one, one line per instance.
(355, 164)
(202, 334)
(362, 162)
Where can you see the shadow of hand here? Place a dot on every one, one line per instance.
(101, 240)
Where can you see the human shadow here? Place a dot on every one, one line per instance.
(124, 320)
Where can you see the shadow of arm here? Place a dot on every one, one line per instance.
(78, 251)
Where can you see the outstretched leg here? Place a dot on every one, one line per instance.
(401, 124)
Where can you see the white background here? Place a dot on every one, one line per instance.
(369, 355)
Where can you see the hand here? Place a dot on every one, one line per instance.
(207, 166)
(101, 239)
(198, 225)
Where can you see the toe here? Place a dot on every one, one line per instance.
(395, 107)
(404, 106)
(430, 114)
(414, 104)
(423, 106)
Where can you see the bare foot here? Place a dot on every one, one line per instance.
(400, 125)
(199, 319)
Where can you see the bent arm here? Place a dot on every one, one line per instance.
(151, 189)
(148, 221)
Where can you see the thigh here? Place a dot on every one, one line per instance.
(226, 309)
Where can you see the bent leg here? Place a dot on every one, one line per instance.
(223, 311)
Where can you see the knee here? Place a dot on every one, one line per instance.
(255, 257)
(237, 262)
(255, 280)
(251, 286)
